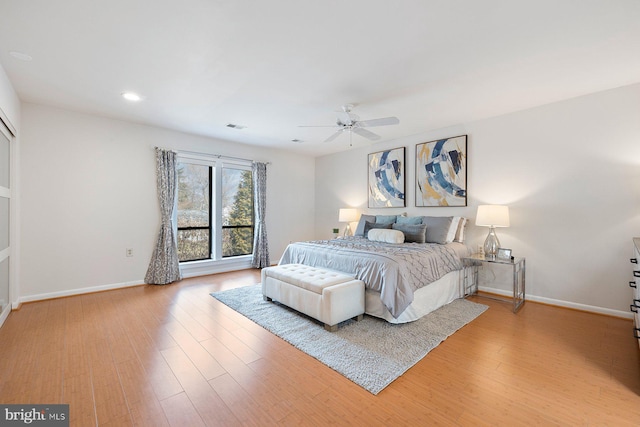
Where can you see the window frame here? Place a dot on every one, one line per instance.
(222, 226)
(178, 228)
(216, 262)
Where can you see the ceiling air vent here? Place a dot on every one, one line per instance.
(234, 126)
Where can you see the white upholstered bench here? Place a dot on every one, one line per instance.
(326, 295)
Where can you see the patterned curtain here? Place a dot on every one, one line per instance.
(164, 267)
(260, 244)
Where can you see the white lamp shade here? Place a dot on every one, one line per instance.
(492, 216)
(347, 215)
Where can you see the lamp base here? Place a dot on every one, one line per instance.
(491, 244)
(347, 231)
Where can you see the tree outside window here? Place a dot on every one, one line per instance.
(198, 234)
(237, 212)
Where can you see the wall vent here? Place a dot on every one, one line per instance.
(234, 126)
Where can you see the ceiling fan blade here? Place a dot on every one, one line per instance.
(318, 126)
(379, 122)
(366, 133)
(334, 136)
(346, 117)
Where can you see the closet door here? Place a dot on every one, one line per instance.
(5, 208)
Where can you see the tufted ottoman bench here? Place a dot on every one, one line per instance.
(326, 295)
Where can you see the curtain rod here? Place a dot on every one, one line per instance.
(217, 156)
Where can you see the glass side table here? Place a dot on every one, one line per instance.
(472, 265)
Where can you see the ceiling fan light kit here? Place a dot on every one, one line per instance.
(349, 122)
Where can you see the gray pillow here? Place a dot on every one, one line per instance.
(360, 228)
(370, 225)
(413, 233)
(386, 219)
(437, 228)
(409, 220)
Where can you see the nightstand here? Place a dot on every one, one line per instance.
(473, 263)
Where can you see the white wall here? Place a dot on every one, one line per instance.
(570, 172)
(89, 192)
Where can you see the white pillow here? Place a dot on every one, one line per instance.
(386, 235)
(460, 233)
(453, 229)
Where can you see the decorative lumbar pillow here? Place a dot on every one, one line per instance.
(409, 220)
(438, 229)
(413, 233)
(386, 219)
(360, 228)
(371, 225)
(385, 235)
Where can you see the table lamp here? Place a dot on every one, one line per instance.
(347, 215)
(492, 216)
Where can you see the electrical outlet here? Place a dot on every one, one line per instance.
(129, 252)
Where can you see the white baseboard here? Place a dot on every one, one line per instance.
(560, 303)
(188, 270)
(71, 292)
(243, 264)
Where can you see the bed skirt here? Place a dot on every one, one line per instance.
(425, 300)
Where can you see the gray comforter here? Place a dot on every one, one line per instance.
(394, 270)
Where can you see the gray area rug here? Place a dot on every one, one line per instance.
(372, 353)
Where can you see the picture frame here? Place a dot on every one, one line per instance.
(386, 179)
(441, 172)
(503, 254)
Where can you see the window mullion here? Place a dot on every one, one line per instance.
(216, 205)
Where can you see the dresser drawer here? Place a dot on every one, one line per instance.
(636, 327)
(635, 284)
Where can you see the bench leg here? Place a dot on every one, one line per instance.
(359, 317)
(331, 328)
(266, 298)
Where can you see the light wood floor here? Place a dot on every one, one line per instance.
(174, 356)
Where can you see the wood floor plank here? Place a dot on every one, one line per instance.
(174, 356)
(206, 364)
(161, 377)
(198, 332)
(205, 400)
(134, 381)
(225, 357)
(243, 406)
(148, 413)
(180, 412)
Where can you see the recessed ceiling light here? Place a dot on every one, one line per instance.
(21, 55)
(296, 140)
(131, 96)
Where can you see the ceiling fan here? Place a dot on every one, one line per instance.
(349, 122)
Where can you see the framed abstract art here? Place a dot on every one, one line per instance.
(386, 179)
(441, 172)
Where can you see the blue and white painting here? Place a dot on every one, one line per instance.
(441, 172)
(387, 179)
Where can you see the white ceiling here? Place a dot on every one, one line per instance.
(274, 65)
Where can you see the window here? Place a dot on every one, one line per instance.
(214, 209)
(194, 212)
(237, 212)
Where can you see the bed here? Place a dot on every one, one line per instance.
(404, 281)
